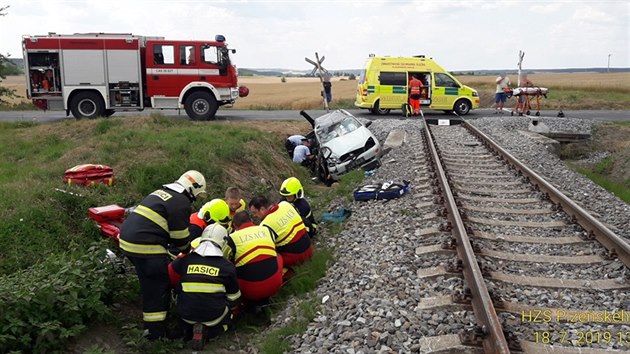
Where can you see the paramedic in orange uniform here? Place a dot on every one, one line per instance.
(252, 250)
(415, 86)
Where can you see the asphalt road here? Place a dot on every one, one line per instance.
(236, 115)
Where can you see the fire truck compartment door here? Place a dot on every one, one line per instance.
(83, 67)
(123, 65)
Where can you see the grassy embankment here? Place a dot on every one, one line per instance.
(50, 251)
(611, 172)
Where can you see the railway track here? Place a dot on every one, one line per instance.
(541, 275)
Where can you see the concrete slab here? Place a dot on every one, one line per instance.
(395, 138)
(552, 145)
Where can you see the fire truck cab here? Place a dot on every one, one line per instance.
(98, 74)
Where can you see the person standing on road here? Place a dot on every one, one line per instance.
(500, 96)
(161, 220)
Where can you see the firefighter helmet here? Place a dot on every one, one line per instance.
(215, 233)
(216, 210)
(292, 186)
(193, 182)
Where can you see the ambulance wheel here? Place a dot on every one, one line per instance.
(462, 107)
(379, 111)
(201, 106)
(87, 105)
(109, 112)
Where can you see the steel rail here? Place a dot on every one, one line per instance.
(493, 338)
(616, 245)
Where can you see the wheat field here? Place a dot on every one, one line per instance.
(304, 93)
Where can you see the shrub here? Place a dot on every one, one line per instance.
(352, 77)
(44, 305)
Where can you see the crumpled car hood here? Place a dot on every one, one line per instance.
(349, 142)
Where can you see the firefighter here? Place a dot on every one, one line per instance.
(258, 266)
(292, 190)
(161, 219)
(214, 211)
(291, 239)
(415, 85)
(206, 287)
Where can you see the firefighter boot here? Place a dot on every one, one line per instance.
(197, 339)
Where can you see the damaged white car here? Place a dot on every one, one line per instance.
(342, 143)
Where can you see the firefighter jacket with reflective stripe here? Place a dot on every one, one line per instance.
(305, 211)
(252, 249)
(208, 287)
(161, 219)
(289, 227)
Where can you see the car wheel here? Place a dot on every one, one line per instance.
(201, 106)
(378, 110)
(462, 107)
(87, 105)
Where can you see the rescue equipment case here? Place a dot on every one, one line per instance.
(388, 190)
(89, 175)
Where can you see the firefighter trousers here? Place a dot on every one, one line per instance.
(156, 292)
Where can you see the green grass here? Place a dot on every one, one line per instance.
(22, 106)
(622, 191)
(39, 223)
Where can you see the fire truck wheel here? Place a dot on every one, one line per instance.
(87, 105)
(201, 106)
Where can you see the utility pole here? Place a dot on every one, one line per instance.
(320, 69)
(609, 62)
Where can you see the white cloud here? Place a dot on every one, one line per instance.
(461, 35)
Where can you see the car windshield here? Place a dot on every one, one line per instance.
(337, 129)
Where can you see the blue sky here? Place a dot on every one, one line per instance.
(460, 35)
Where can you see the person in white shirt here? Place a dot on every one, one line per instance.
(500, 96)
(292, 142)
(302, 153)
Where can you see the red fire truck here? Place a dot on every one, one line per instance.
(97, 74)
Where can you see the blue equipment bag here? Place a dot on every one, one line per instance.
(388, 190)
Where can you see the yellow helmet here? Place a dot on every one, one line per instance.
(216, 210)
(292, 186)
(193, 182)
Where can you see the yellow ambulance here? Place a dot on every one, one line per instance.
(383, 86)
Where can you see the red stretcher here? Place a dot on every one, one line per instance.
(523, 100)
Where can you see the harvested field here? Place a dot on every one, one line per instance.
(569, 90)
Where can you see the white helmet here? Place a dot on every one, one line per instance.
(193, 182)
(215, 233)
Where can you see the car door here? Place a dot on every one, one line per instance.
(445, 91)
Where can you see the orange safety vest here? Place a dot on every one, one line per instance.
(286, 222)
(251, 244)
(414, 86)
